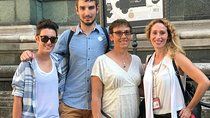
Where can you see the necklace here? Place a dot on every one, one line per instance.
(124, 64)
(121, 58)
(124, 60)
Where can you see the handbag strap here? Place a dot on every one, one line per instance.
(178, 76)
(106, 115)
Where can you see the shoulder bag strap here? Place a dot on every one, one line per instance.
(103, 113)
(148, 58)
(69, 39)
(67, 45)
(107, 38)
(178, 76)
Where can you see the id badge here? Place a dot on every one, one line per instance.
(156, 103)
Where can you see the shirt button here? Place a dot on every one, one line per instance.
(88, 59)
(88, 91)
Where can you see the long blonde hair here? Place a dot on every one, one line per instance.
(173, 43)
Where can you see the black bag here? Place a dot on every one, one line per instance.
(188, 93)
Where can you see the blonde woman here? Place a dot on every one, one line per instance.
(163, 95)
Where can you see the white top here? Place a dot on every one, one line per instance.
(121, 94)
(47, 92)
(167, 88)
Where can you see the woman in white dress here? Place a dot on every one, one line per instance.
(116, 76)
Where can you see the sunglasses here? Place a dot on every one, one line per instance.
(52, 39)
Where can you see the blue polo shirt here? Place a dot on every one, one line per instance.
(84, 49)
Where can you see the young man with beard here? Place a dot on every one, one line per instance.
(87, 43)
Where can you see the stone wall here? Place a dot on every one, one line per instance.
(29, 12)
(188, 9)
(19, 12)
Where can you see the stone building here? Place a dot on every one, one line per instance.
(17, 27)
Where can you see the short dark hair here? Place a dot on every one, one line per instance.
(119, 22)
(44, 24)
(96, 1)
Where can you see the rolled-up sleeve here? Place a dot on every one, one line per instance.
(97, 68)
(18, 81)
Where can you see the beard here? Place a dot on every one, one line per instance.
(87, 23)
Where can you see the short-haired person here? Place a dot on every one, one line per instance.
(116, 76)
(87, 43)
(161, 85)
(35, 82)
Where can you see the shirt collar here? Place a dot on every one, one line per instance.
(96, 28)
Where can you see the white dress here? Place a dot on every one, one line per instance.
(121, 94)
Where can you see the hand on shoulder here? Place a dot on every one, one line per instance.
(73, 28)
(27, 55)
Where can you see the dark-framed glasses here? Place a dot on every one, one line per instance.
(52, 39)
(120, 33)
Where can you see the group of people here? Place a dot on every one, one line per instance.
(99, 84)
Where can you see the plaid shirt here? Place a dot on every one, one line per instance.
(24, 85)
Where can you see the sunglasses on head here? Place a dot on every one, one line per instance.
(52, 39)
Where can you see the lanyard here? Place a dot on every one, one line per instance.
(155, 72)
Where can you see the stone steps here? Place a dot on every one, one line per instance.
(190, 25)
(195, 35)
(24, 30)
(6, 103)
(198, 26)
(205, 110)
(188, 44)
(7, 70)
(17, 30)
(191, 39)
(6, 99)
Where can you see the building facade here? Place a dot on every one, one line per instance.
(17, 27)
